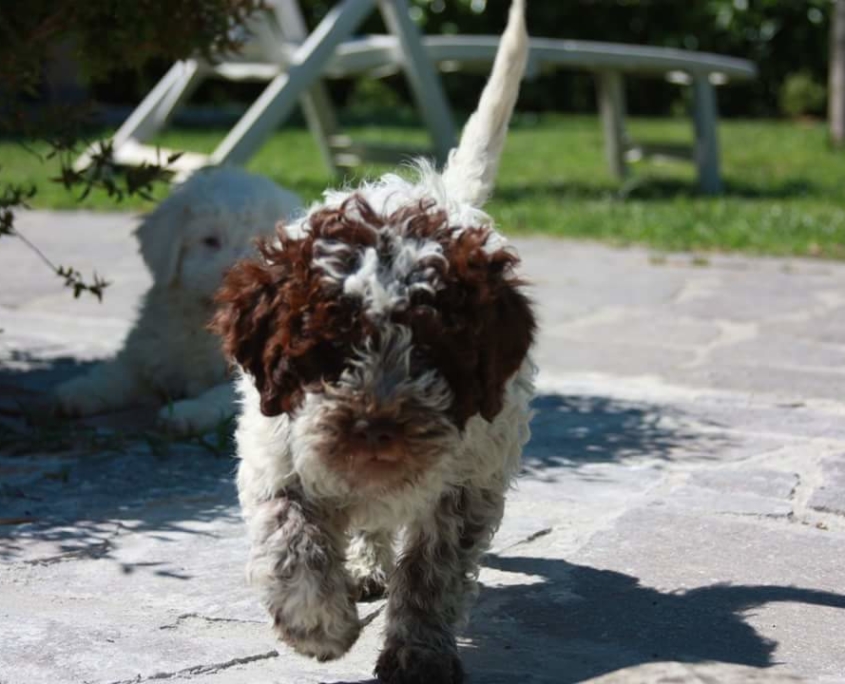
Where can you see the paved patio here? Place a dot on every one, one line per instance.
(681, 515)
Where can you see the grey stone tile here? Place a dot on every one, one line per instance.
(829, 495)
(667, 509)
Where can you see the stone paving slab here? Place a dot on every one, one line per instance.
(829, 496)
(680, 516)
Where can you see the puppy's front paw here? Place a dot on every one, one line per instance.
(299, 566)
(419, 663)
(325, 636)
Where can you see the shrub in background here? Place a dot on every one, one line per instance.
(802, 95)
(102, 36)
(780, 36)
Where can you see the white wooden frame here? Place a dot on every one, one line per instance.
(295, 60)
(295, 63)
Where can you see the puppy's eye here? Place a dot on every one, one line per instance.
(212, 242)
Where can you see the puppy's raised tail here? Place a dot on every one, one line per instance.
(470, 172)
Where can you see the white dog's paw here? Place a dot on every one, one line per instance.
(191, 416)
(82, 396)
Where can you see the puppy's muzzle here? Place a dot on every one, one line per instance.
(376, 440)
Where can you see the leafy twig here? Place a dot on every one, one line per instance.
(73, 279)
(17, 196)
(13, 196)
(101, 173)
(137, 33)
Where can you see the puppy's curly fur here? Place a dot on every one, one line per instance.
(383, 346)
(187, 243)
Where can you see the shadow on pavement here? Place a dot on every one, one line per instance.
(566, 624)
(569, 431)
(40, 375)
(574, 622)
(579, 622)
(82, 505)
(74, 490)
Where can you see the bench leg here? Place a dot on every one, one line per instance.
(705, 118)
(316, 103)
(422, 76)
(320, 117)
(154, 111)
(194, 76)
(611, 89)
(283, 92)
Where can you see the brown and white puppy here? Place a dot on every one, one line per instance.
(385, 380)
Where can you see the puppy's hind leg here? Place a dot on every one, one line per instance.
(433, 582)
(370, 561)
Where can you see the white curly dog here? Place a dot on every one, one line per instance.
(170, 358)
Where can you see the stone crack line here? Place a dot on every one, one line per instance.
(730, 333)
(530, 538)
(807, 469)
(196, 670)
(697, 287)
(196, 616)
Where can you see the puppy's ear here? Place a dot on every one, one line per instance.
(487, 325)
(248, 306)
(506, 337)
(161, 238)
(269, 313)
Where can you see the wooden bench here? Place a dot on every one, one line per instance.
(610, 62)
(294, 63)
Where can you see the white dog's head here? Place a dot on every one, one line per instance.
(207, 223)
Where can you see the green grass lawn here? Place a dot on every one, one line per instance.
(785, 190)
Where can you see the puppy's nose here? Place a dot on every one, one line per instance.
(378, 436)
